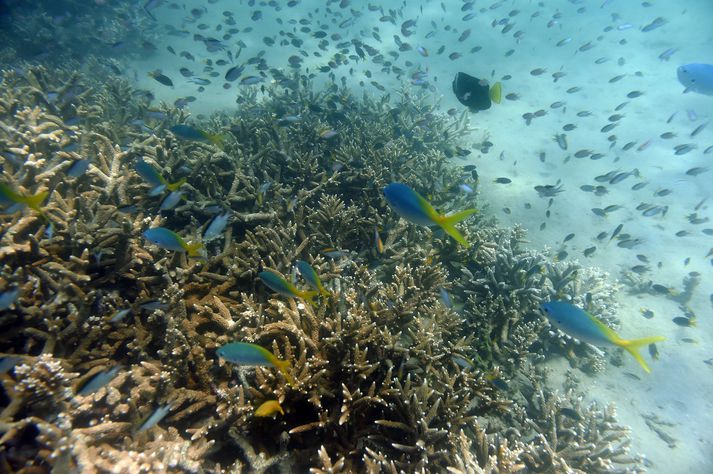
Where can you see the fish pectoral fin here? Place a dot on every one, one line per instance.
(632, 346)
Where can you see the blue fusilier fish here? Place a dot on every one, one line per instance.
(278, 284)
(99, 380)
(155, 179)
(414, 208)
(696, 77)
(243, 353)
(187, 132)
(216, 226)
(580, 324)
(155, 417)
(169, 240)
(311, 277)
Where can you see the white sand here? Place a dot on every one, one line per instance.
(680, 386)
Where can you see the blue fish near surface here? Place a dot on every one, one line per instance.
(696, 77)
(580, 324)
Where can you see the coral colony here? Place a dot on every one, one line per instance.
(139, 338)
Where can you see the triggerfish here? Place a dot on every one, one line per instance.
(278, 284)
(13, 202)
(475, 93)
(696, 77)
(414, 208)
(187, 132)
(244, 353)
(311, 277)
(169, 240)
(580, 324)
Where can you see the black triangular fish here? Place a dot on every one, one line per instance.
(475, 93)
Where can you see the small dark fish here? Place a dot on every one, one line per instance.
(599, 212)
(634, 94)
(589, 251)
(503, 180)
(8, 297)
(640, 269)
(684, 148)
(78, 168)
(568, 237)
(647, 313)
(570, 413)
(656, 23)
(632, 376)
(616, 231)
(561, 140)
(99, 380)
(165, 80)
(154, 418)
(234, 73)
(685, 322)
(696, 171)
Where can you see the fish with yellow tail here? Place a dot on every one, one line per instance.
(252, 355)
(578, 323)
(12, 201)
(413, 207)
(476, 94)
(187, 132)
(169, 240)
(278, 284)
(310, 275)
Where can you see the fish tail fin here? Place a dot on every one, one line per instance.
(176, 185)
(217, 139)
(283, 366)
(34, 202)
(496, 92)
(194, 248)
(309, 296)
(632, 346)
(447, 223)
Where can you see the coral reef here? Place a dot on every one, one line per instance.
(388, 378)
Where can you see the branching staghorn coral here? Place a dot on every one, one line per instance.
(384, 379)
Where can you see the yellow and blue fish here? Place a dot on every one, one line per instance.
(244, 353)
(414, 208)
(278, 284)
(580, 324)
(187, 132)
(169, 240)
(155, 179)
(13, 201)
(311, 277)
